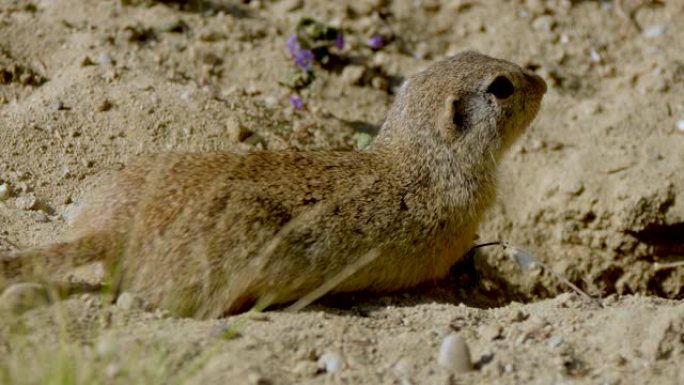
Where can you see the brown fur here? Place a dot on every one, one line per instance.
(210, 234)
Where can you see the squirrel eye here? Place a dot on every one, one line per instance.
(501, 87)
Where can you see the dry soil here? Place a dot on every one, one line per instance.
(594, 190)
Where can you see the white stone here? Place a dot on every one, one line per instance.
(330, 361)
(104, 59)
(4, 192)
(555, 341)
(128, 301)
(654, 31)
(680, 125)
(454, 354)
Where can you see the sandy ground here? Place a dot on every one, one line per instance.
(593, 189)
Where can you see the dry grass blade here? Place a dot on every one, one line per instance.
(527, 261)
(331, 283)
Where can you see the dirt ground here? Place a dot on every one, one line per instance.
(593, 190)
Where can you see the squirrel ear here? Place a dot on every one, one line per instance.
(458, 114)
(454, 113)
(452, 117)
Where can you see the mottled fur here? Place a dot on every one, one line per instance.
(210, 234)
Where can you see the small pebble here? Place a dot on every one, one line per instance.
(363, 140)
(271, 101)
(543, 23)
(353, 74)
(40, 217)
(491, 332)
(129, 301)
(5, 192)
(525, 260)
(331, 362)
(555, 341)
(454, 354)
(594, 55)
(186, 95)
(537, 145)
(57, 105)
(654, 31)
(104, 59)
(680, 125)
(26, 202)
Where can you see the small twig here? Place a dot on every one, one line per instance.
(668, 265)
(574, 287)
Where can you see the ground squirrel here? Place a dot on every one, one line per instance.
(211, 234)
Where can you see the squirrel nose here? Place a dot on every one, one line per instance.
(537, 82)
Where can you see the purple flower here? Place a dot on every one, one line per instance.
(293, 46)
(339, 41)
(297, 102)
(376, 42)
(304, 58)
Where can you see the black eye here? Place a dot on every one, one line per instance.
(501, 87)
